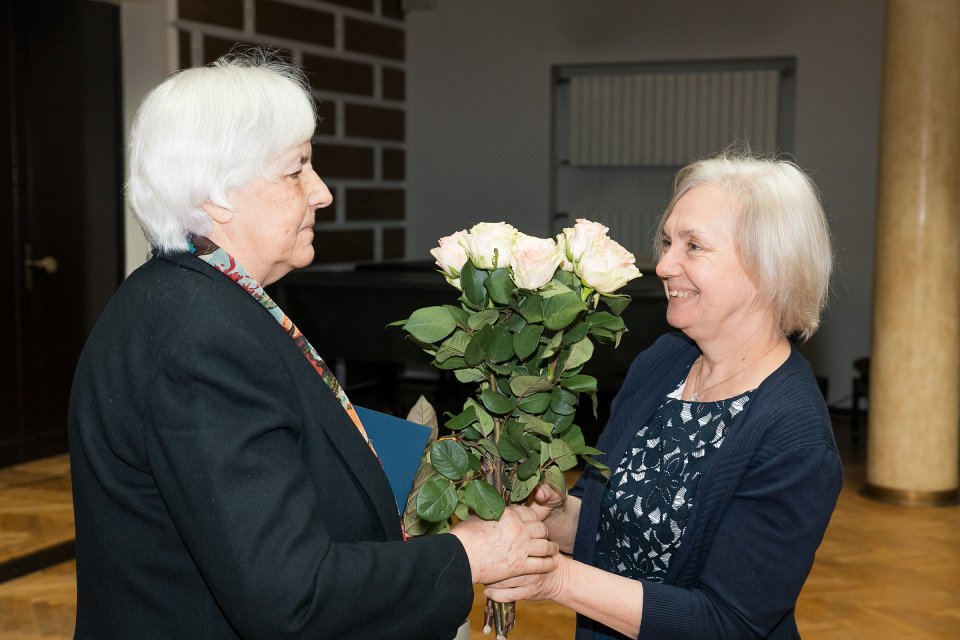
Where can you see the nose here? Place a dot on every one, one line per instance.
(320, 195)
(667, 265)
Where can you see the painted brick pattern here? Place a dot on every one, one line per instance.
(353, 53)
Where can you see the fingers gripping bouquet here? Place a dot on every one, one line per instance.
(528, 318)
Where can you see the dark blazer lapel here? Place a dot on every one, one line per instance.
(344, 435)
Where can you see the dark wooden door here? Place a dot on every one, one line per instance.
(61, 229)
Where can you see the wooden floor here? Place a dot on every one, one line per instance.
(883, 572)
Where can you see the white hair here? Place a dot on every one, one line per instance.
(206, 131)
(781, 231)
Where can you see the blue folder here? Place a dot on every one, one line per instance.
(399, 444)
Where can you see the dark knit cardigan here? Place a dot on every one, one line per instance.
(760, 513)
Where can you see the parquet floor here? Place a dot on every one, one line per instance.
(882, 573)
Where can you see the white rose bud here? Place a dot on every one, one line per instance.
(580, 237)
(486, 238)
(534, 261)
(605, 266)
(451, 255)
(565, 263)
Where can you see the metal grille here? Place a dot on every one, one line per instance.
(663, 119)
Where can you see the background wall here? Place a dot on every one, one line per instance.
(478, 114)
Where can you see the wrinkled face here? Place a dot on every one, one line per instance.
(709, 293)
(271, 228)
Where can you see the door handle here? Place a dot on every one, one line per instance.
(47, 264)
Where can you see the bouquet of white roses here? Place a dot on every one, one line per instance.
(527, 320)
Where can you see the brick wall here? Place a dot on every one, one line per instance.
(353, 52)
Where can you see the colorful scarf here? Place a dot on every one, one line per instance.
(208, 251)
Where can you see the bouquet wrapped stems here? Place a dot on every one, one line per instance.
(528, 318)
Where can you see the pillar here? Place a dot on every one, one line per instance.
(914, 418)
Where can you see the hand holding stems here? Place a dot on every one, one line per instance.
(515, 545)
(613, 600)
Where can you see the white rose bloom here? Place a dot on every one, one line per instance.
(580, 237)
(485, 238)
(605, 266)
(451, 255)
(534, 261)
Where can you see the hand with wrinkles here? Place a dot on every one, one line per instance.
(515, 545)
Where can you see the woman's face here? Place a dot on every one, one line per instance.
(709, 293)
(270, 228)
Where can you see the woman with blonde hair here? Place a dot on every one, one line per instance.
(725, 469)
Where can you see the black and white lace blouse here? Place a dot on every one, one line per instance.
(651, 492)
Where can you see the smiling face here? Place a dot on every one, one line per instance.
(269, 230)
(710, 295)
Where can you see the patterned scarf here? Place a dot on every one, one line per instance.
(208, 251)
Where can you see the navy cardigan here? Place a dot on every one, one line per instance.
(761, 510)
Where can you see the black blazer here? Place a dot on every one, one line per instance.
(220, 489)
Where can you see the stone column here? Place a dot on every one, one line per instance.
(912, 455)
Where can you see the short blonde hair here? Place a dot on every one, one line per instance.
(206, 131)
(781, 230)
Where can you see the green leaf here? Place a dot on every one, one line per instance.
(512, 446)
(430, 324)
(574, 437)
(562, 454)
(483, 499)
(580, 352)
(496, 402)
(476, 351)
(501, 346)
(576, 333)
(451, 363)
(563, 402)
(554, 477)
(520, 488)
(604, 469)
(560, 422)
(480, 318)
(472, 280)
(579, 382)
(471, 433)
(616, 303)
(527, 468)
(555, 288)
(535, 425)
(468, 376)
(486, 420)
(500, 286)
(488, 448)
(560, 310)
(607, 321)
(569, 279)
(526, 385)
(531, 308)
(436, 500)
(459, 314)
(462, 420)
(537, 403)
(454, 345)
(526, 341)
(449, 458)
(553, 345)
(515, 323)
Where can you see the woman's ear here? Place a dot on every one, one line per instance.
(216, 212)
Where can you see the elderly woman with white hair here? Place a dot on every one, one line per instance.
(725, 470)
(224, 486)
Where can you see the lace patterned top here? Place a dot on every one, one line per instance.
(651, 492)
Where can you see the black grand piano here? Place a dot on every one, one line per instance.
(345, 315)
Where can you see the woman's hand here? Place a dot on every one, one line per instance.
(540, 586)
(559, 513)
(514, 545)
